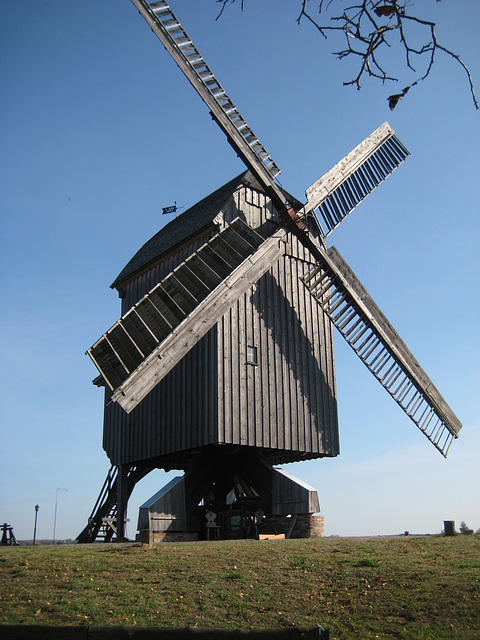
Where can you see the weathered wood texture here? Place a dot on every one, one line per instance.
(291, 495)
(285, 405)
(325, 185)
(287, 402)
(203, 317)
(344, 186)
(165, 511)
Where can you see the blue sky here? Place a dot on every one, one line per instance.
(100, 130)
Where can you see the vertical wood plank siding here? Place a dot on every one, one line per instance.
(288, 400)
(178, 415)
(286, 404)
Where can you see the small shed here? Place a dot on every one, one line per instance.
(292, 496)
(165, 510)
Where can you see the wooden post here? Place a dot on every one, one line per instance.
(122, 500)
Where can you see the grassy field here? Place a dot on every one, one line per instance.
(402, 587)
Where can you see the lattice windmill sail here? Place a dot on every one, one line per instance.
(175, 317)
(340, 190)
(146, 343)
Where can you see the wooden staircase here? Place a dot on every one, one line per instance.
(102, 523)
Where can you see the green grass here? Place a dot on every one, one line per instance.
(415, 588)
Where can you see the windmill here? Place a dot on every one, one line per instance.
(195, 368)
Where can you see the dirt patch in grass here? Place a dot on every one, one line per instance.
(411, 588)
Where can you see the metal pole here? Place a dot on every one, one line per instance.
(35, 525)
(55, 516)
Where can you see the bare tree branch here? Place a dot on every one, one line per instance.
(224, 3)
(369, 27)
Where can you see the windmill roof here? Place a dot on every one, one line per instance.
(190, 223)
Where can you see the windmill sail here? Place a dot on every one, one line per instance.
(148, 341)
(375, 341)
(344, 186)
(168, 29)
(170, 32)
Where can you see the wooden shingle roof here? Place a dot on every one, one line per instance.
(191, 222)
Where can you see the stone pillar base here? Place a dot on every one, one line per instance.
(307, 526)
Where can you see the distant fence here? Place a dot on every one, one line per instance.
(40, 632)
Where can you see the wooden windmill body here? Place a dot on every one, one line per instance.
(222, 364)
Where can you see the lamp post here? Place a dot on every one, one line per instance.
(55, 516)
(35, 525)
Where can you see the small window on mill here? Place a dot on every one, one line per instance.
(252, 355)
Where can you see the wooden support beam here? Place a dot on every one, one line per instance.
(122, 499)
